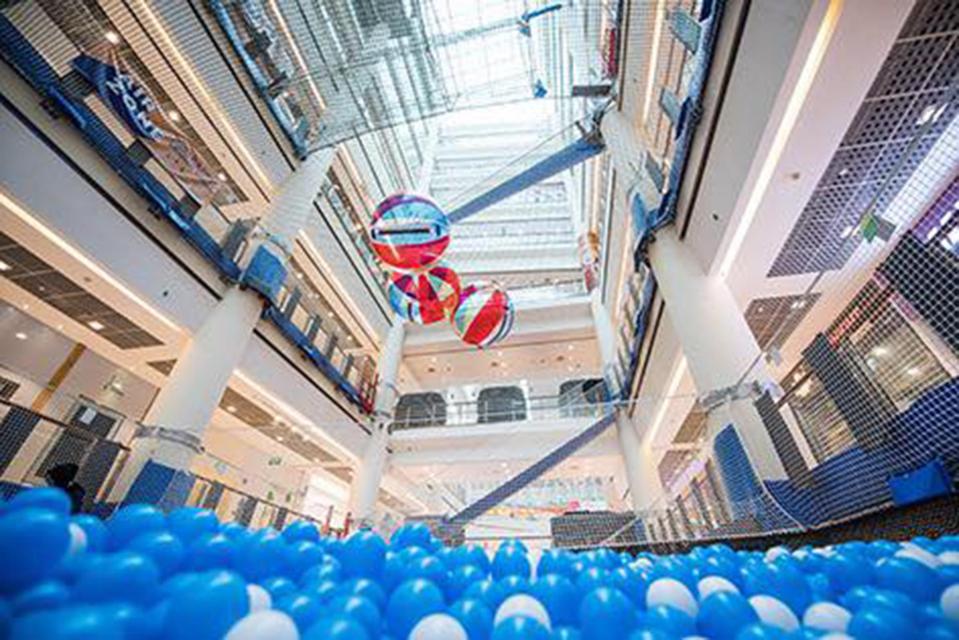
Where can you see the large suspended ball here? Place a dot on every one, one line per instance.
(484, 315)
(425, 297)
(409, 232)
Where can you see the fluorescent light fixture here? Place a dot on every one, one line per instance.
(96, 325)
(21, 335)
(670, 391)
(80, 257)
(847, 231)
(112, 37)
(230, 408)
(791, 114)
(4, 266)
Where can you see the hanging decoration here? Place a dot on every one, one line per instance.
(409, 232)
(425, 297)
(484, 315)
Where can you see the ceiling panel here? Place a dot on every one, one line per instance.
(26, 270)
(772, 320)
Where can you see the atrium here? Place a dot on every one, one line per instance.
(616, 280)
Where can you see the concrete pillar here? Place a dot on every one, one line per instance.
(369, 473)
(715, 338)
(643, 489)
(173, 428)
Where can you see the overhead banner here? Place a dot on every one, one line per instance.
(135, 106)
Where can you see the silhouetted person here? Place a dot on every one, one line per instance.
(61, 476)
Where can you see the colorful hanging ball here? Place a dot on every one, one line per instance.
(484, 315)
(409, 232)
(425, 297)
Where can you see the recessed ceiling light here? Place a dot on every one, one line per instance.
(4, 266)
(173, 115)
(279, 438)
(847, 231)
(569, 347)
(21, 335)
(221, 176)
(96, 325)
(112, 37)
(230, 408)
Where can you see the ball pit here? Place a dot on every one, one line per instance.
(145, 574)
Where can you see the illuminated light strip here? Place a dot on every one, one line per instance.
(295, 417)
(791, 114)
(678, 374)
(77, 255)
(221, 120)
(328, 274)
(653, 58)
(297, 54)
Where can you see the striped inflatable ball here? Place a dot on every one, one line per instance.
(484, 315)
(425, 297)
(409, 232)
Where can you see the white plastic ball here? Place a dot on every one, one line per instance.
(949, 557)
(774, 612)
(827, 616)
(917, 553)
(776, 552)
(260, 599)
(274, 625)
(949, 601)
(672, 593)
(713, 584)
(78, 540)
(522, 605)
(438, 626)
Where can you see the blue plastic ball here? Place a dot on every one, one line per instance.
(301, 530)
(360, 609)
(669, 620)
(430, 568)
(592, 578)
(414, 534)
(566, 633)
(48, 594)
(94, 529)
(560, 597)
(120, 577)
(510, 561)
(846, 571)
(910, 577)
(260, 556)
(189, 616)
(363, 555)
(606, 614)
(460, 579)
(338, 627)
(555, 561)
(520, 628)
(511, 585)
(723, 614)
(303, 608)
(68, 624)
(364, 588)
(34, 542)
(165, 549)
(632, 583)
(301, 556)
(760, 631)
(132, 521)
(412, 600)
(189, 523)
(46, 498)
(210, 551)
(475, 616)
(487, 591)
(279, 587)
(879, 624)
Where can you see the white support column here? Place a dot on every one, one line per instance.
(173, 427)
(715, 337)
(369, 473)
(643, 487)
(717, 342)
